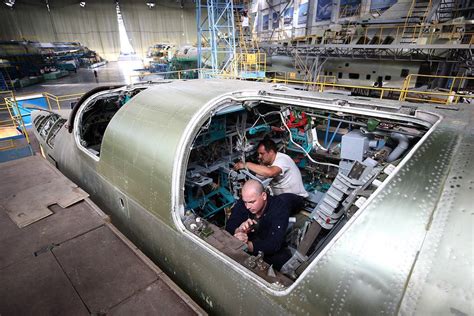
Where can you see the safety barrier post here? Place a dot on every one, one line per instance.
(407, 86)
(57, 103)
(46, 96)
(17, 119)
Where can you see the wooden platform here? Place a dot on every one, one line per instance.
(73, 261)
(9, 131)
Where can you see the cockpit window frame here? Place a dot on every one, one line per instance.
(78, 122)
(178, 202)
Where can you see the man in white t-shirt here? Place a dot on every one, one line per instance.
(245, 23)
(279, 166)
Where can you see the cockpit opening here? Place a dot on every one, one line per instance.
(343, 150)
(97, 114)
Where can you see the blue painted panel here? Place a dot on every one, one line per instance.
(324, 10)
(349, 8)
(265, 22)
(275, 20)
(288, 17)
(25, 112)
(15, 153)
(303, 13)
(252, 74)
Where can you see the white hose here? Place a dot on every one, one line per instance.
(401, 147)
(299, 146)
(315, 140)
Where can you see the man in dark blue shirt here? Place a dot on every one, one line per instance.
(261, 221)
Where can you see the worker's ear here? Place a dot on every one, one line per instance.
(264, 196)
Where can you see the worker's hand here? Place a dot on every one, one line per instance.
(245, 227)
(242, 237)
(239, 165)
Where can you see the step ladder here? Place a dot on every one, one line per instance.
(246, 44)
(415, 21)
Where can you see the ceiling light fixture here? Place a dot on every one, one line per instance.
(150, 4)
(10, 3)
(82, 4)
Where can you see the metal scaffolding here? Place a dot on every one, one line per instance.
(217, 32)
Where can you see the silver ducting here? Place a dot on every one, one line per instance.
(401, 147)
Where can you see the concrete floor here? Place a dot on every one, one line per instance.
(69, 259)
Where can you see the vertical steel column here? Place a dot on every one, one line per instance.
(220, 35)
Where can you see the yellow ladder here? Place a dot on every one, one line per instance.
(412, 30)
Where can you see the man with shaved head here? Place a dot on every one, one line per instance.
(260, 220)
(286, 177)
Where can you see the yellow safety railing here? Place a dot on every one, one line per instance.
(4, 95)
(6, 124)
(179, 74)
(291, 77)
(15, 119)
(451, 96)
(326, 78)
(322, 85)
(54, 100)
(287, 78)
(408, 21)
(323, 82)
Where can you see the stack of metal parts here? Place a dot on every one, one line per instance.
(353, 178)
(327, 212)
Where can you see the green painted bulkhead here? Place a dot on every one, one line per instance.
(141, 142)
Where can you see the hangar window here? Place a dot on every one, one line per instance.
(404, 73)
(375, 40)
(388, 40)
(95, 115)
(353, 76)
(339, 75)
(341, 153)
(388, 78)
(367, 77)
